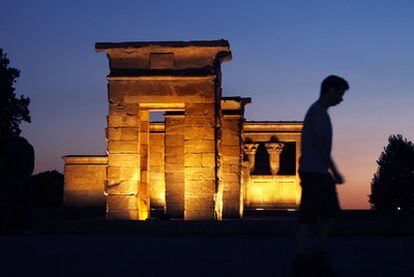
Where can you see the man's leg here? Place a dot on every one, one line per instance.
(302, 238)
(329, 211)
(318, 258)
(323, 233)
(299, 262)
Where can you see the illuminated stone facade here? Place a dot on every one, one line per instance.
(203, 162)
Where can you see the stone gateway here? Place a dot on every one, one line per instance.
(204, 161)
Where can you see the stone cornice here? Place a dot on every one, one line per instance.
(159, 78)
(104, 46)
(272, 126)
(86, 159)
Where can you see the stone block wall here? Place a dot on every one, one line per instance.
(124, 160)
(174, 163)
(199, 161)
(84, 182)
(274, 192)
(231, 166)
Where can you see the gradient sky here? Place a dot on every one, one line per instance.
(281, 52)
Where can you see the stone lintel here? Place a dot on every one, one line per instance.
(157, 127)
(161, 107)
(168, 93)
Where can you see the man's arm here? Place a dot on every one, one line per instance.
(320, 143)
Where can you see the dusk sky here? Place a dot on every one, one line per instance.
(281, 52)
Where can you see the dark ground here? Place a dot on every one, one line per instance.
(67, 244)
(141, 255)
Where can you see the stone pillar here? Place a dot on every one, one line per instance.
(174, 163)
(231, 157)
(245, 183)
(123, 171)
(250, 150)
(274, 149)
(144, 195)
(199, 161)
(157, 168)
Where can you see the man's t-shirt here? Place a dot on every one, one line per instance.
(317, 123)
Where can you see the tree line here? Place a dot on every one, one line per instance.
(392, 187)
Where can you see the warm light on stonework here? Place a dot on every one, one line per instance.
(270, 192)
(200, 162)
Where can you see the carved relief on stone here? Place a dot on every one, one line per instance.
(250, 150)
(274, 149)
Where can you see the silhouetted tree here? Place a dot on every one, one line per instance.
(392, 187)
(13, 110)
(48, 189)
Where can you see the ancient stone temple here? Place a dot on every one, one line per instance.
(204, 161)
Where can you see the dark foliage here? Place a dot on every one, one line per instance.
(48, 189)
(392, 187)
(13, 110)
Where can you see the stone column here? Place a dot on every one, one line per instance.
(123, 171)
(157, 167)
(174, 163)
(245, 180)
(250, 150)
(199, 161)
(274, 149)
(144, 195)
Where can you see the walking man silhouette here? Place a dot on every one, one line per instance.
(318, 173)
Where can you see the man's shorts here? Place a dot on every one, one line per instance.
(319, 200)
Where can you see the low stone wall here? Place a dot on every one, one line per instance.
(84, 184)
(272, 192)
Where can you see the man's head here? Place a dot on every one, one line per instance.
(332, 90)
